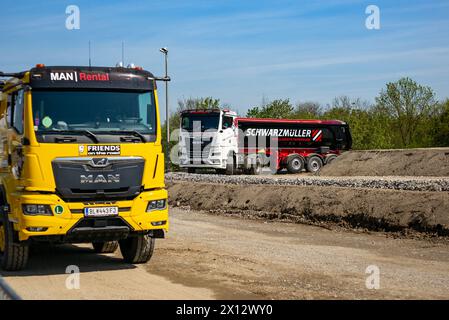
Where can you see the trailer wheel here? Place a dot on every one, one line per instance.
(295, 163)
(13, 255)
(137, 249)
(330, 158)
(314, 164)
(105, 247)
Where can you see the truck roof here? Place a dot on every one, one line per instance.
(72, 77)
(199, 111)
(298, 121)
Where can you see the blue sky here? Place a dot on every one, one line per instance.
(242, 51)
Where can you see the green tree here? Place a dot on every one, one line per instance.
(409, 104)
(198, 104)
(440, 125)
(276, 109)
(307, 110)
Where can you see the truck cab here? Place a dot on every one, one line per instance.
(207, 139)
(81, 161)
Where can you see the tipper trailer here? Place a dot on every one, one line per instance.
(81, 161)
(220, 140)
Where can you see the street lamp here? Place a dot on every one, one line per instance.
(167, 117)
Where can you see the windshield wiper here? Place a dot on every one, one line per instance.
(85, 132)
(130, 132)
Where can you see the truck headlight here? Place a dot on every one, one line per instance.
(157, 205)
(37, 209)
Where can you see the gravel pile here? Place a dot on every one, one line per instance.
(394, 183)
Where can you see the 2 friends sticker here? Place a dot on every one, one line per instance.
(99, 150)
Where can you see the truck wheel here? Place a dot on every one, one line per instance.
(330, 158)
(105, 247)
(295, 164)
(256, 169)
(230, 165)
(13, 255)
(314, 164)
(137, 249)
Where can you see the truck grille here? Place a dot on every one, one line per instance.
(84, 178)
(198, 148)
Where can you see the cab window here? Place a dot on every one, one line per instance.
(227, 122)
(16, 112)
(9, 111)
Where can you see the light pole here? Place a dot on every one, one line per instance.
(167, 116)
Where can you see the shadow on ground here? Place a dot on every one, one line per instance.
(53, 260)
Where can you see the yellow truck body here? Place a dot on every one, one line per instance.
(71, 173)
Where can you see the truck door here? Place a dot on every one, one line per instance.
(228, 131)
(16, 125)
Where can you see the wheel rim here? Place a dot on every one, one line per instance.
(296, 164)
(2, 239)
(315, 166)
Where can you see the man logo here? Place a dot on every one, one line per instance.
(99, 162)
(91, 179)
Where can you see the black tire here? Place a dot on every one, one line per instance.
(295, 163)
(220, 171)
(105, 247)
(314, 164)
(137, 249)
(14, 256)
(256, 169)
(331, 158)
(230, 165)
(191, 170)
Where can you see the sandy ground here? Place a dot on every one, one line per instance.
(404, 162)
(103, 276)
(207, 256)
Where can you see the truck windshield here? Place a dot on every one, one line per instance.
(94, 112)
(193, 122)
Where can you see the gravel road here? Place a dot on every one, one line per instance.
(437, 184)
(207, 256)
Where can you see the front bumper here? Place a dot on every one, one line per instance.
(71, 225)
(213, 163)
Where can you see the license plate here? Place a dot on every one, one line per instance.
(101, 212)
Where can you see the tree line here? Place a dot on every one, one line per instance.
(405, 114)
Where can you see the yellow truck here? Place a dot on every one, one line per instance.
(81, 161)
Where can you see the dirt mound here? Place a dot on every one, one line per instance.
(374, 209)
(404, 162)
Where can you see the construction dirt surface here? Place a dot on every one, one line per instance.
(416, 213)
(401, 191)
(406, 162)
(208, 256)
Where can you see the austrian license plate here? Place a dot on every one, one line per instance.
(101, 212)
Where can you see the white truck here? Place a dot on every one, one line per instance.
(207, 140)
